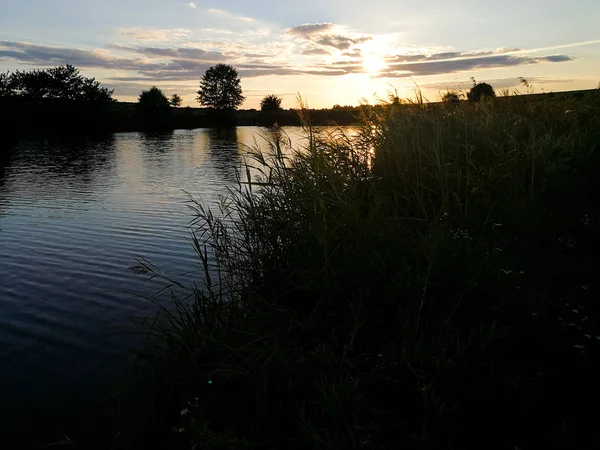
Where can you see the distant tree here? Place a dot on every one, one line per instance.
(220, 88)
(479, 91)
(59, 83)
(175, 100)
(6, 89)
(155, 109)
(153, 98)
(451, 97)
(271, 102)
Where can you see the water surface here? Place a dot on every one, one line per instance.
(74, 216)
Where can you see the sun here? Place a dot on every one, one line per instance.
(373, 64)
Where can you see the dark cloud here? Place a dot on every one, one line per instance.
(180, 64)
(354, 53)
(46, 55)
(315, 51)
(558, 58)
(181, 53)
(309, 29)
(341, 42)
(420, 65)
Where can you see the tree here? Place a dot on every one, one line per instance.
(480, 90)
(175, 100)
(271, 102)
(59, 83)
(451, 97)
(155, 109)
(220, 88)
(153, 98)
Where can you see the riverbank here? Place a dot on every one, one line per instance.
(428, 284)
(22, 119)
(43, 118)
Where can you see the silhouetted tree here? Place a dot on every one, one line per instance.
(175, 100)
(480, 90)
(220, 88)
(155, 109)
(271, 102)
(59, 83)
(153, 98)
(451, 97)
(6, 89)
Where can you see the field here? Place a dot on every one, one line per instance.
(428, 284)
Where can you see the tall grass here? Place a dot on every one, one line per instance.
(427, 283)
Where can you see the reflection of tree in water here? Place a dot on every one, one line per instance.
(45, 165)
(224, 150)
(157, 141)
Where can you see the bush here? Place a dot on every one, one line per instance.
(480, 91)
(402, 288)
(155, 109)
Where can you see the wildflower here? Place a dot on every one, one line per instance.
(184, 412)
(181, 430)
(506, 272)
(579, 346)
(576, 311)
(588, 336)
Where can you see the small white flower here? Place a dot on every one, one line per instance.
(576, 311)
(184, 412)
(181, 430)
(588, 336)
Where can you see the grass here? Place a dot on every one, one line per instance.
(429, 283)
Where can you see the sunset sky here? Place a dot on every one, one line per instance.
(329, 51)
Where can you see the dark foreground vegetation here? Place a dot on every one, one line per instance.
(428, 284)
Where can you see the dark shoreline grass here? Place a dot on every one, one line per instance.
(428, 284)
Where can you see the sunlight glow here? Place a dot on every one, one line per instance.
(373, 64)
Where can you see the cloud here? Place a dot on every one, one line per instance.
(315, 51)
(223, 13)
(149, 63)
(215, 31)
(400, 66)
(325, 35)
(341, 42)
(558, 58)
(176, 53)
(192, 5)
(309, 29)
(154, 34)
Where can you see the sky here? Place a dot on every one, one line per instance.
(330, 52)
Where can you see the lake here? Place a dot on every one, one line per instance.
(74, 216)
